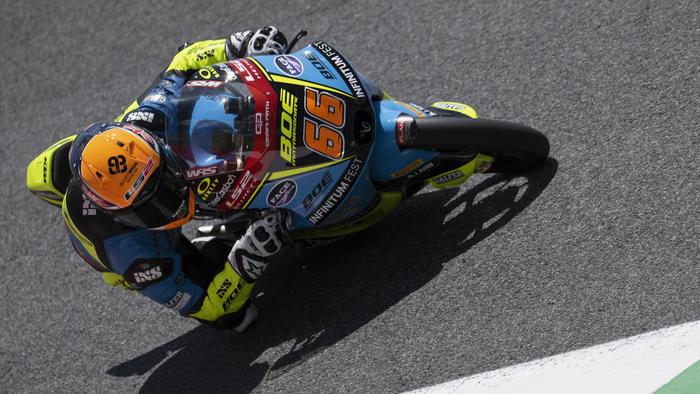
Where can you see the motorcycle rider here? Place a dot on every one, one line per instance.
(126, 200)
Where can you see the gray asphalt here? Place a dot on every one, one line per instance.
(601, 243)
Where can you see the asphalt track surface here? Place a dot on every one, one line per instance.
(599, 244)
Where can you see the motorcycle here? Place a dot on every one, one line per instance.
(306, 133)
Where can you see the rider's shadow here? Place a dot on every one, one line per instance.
(333, 290)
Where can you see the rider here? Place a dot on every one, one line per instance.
(125, 200)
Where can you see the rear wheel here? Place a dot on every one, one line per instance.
(513, 146)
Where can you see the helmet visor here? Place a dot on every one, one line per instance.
(169, 204)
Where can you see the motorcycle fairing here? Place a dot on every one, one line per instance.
(226, 182)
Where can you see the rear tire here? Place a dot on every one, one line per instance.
(513, 146)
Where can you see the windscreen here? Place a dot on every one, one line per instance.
(214, 127)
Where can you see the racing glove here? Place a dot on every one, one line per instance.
(263, 238)
(265, 41)
(227, 303)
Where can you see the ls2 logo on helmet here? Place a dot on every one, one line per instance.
(117, 164)
(282, 193)
(289, 65)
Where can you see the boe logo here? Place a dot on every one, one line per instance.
(289, 65)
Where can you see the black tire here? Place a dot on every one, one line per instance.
(514, 147)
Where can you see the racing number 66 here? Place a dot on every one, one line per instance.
(322, 137)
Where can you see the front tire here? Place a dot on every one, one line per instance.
(513, 146)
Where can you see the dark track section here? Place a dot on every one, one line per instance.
(598, 244)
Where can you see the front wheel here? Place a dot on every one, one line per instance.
(513, 146)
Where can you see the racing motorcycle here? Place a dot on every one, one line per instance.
(305, 132)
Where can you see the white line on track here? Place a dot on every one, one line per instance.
(639, 364)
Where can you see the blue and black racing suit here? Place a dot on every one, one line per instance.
(163, 265)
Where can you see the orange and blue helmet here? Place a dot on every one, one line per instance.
(130, 174)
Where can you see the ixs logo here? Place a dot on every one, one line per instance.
(148, 275)
(282, 193)
(200, 172)
(225, 285)
(288, 126)
(146, 271)
(289, 65)
(204, 54)
(318, 65)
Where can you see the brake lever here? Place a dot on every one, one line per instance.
(287, 235)
(294, 41)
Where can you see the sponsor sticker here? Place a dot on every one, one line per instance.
(289, 65)
(135, 186)
(258, 123)
(208, 72)
(178, 301)
(404, 130)
(318, 65)
(451, 176)
(148, 275)
(155, 98)
(421, 170)
(423, 110)
(230, 74)
(204, 84)
(140, 115)
(340, 190)
(317, 190)
(450, 106)
(343, 68)
(212, 189)
(200, 172)
(407, 170)
(267, 123)
(242, 70)
(242, 192)
(282, 193)
(89, 209)
(229, 300)
(288, 126)
(225, 285)
(206, 186)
